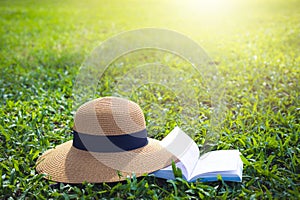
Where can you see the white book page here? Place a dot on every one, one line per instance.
(184, 148)
(217, 161)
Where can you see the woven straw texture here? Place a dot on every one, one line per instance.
(109, 116)
(104, 116)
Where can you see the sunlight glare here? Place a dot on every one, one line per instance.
(210, 7)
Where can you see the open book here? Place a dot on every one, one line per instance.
(207, 167)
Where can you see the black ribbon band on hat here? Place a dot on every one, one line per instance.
(113, 143)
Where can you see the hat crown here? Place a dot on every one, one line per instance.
(109, 116)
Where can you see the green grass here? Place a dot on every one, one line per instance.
(255, 45)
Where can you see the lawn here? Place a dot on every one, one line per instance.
(255, 46)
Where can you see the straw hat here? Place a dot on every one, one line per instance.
(109, 143)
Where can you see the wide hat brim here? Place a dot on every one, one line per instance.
(68, 164)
